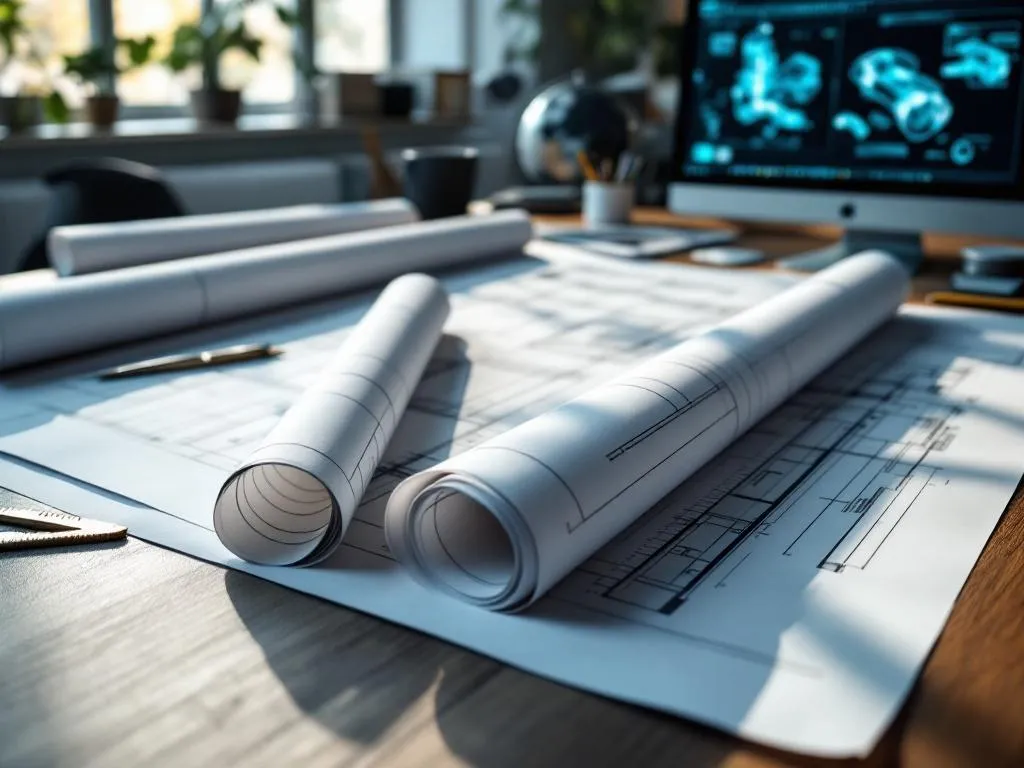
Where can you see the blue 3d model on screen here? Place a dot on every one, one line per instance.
(892, 78)
(853, 123)
(770, 91)
(979, 64)
(905, 96)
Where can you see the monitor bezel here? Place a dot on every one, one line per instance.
(688, 38)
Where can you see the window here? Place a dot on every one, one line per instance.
(271, 79)
(434, 34)
(55, 28)
(154, 84)
(351, 35)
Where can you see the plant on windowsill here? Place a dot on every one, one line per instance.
(305, 67)
(99, 68)
(221, 30)
(24, 108)
(308, 102)
(604, 37)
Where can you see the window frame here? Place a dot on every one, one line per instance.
(101, 33)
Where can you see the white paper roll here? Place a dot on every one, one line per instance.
(86, 248)
(85, 313)
(499, 525)
(293, 498)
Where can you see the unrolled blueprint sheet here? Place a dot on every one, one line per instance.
(788, 592)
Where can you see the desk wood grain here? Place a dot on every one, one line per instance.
(128, 654)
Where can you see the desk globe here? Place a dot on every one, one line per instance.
(563, 119)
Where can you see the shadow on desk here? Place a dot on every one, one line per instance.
(382, 687)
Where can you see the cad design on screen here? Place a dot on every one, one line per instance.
(911, 91)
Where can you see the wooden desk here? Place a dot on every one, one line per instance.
(130, 654)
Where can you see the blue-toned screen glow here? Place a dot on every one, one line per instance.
(871, 91)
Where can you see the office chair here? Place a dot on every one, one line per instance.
(101, 191)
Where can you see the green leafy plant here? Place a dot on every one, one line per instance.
(12, 25)
(13, 32)
(100, 66)
(222, 29)
(304, 63)
(15, 43)
(606, 36)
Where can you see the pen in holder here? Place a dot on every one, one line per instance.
(607, 202)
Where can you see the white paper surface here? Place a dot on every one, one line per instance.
(293, 499)
(89, 312)
(501, 524)
(85, 248)
(788, 592)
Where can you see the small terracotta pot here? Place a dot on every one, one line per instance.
(217, 106)
(102, 110)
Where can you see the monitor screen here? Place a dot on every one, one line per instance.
(884, 95)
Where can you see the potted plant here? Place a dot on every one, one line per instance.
(20, 110)
(221, 29)
(99, 67)
(603, 37)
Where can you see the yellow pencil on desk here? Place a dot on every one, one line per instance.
(586, 166)
(976, 301)
(209, 358)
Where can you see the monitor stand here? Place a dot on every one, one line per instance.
(905, 246)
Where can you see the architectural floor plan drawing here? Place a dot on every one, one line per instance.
(789, 592)
(826, 479)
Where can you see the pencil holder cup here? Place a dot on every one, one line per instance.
(607, 202)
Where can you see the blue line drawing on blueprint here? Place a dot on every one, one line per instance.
(771, 91)
(892, 78)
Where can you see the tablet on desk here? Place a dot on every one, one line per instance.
(629, 242)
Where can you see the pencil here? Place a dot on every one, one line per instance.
(586, 166)
(975, 301)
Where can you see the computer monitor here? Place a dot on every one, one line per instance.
(888, 117)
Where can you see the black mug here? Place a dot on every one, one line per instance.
(440, 180)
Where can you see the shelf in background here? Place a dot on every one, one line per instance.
(256, 126)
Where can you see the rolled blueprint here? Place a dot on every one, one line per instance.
(69, 316)
(85, 248)
(499, 525)
(293, 498)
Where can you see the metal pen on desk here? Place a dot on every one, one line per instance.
(206, 359)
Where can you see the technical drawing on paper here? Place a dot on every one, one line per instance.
(523, 338)
(828, 515)
(825, 480)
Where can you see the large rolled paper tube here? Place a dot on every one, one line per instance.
(84, 248)
(500, 524)
(85, 313)
(293, 498)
